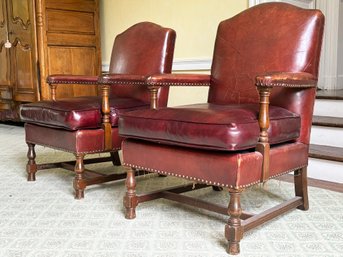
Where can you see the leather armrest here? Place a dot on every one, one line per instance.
(179, 80)
(286, 79)
(72, 79)
(122, 79)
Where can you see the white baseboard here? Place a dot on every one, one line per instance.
(325, 170)
(192, 64)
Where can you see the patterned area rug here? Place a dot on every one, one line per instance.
(42, 219)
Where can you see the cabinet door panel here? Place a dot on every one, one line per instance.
(25, 73)
(76, 5)
(78, 22)
(23, 51)
(5, 79)
(76, 60)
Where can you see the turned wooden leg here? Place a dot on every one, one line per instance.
(115, 158)
(79, 182)
(234, 230)
(300, 185)
(31, 166)
(130, 198)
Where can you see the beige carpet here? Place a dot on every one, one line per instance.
(42, 219)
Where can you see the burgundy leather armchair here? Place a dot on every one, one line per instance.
(255, 125)
(87, 125)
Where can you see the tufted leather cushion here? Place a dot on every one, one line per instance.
(209, 126)
(76, 113)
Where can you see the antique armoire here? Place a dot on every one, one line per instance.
(42, 37)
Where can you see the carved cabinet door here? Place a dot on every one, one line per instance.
(5, 67)
(23, 51)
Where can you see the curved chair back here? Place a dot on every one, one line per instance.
(135, 59)
(251, 46)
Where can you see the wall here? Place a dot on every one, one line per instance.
(195, 22)
(340, 47)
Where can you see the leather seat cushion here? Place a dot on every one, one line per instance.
(77, 112)
(209, 126)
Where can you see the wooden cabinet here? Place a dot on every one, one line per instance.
(42, 37)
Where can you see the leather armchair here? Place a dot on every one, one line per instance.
(87, 125)
(254, 127)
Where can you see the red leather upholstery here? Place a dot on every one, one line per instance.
(210, 167)
(84, 125)
(209, 126)
(78, 112)
(233, 76)
(84, 141)
(224, 169)
(155, 44)
(255, 125)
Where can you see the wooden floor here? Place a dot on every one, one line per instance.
(324, 152)
(337, 187)
(327, 121)
(328, 152)
(330, 94)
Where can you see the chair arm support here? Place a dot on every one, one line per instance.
(106, 81)
(265, 83)
(106, 110)
(263, 120)
(154, 82)
(286, 79)
(54, 80)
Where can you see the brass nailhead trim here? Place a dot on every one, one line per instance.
(64, 150)
(72, 82)
(97, 83)
(261, 84)
(131, 83)
(178, 84)
(209, 182)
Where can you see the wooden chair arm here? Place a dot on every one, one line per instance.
(265, 83)
(55, 80)
(154, 82)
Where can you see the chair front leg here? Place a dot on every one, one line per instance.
(300, 185)
(115, 158)
(31, 166)
(130, 198)
(234, 229)
(79, 181)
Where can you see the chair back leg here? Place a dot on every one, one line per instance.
(31, 166)
(130, 198)
(79, 181)
(300, 185)
(115, 158)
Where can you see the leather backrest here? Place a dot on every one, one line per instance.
(143, 49)
(267, 37)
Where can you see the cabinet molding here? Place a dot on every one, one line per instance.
(43, 37)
